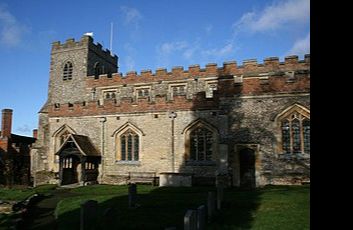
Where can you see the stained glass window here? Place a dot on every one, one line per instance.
(201, 142)
(296, 136)
(123, 148)
(295, 130)
(285, 136)
(306, 131)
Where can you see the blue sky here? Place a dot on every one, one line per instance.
(147, 35)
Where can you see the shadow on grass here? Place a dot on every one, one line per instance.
(163, 207)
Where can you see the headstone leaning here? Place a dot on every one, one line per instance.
(211, 202)
(88, 215)
(132, 195)
(190, 220)
(201, 217)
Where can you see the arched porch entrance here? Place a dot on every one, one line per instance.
(78, 160)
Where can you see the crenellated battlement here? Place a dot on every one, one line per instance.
(71, 43)
(119, 95)
(86, 41)
(249, 68)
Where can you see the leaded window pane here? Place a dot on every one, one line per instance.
(136, 148)
(296, 136)
(193, 147)
(209, 141)
(306, 134)
(123, 148)
(129, 148)
(201, 144)
(285, 137)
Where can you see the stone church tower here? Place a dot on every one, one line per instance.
(245, 125)
(70, 65)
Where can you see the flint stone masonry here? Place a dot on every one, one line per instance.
(239, 102)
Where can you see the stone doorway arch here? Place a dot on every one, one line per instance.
(245, 166)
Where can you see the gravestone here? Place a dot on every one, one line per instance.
(201, 217)
(220, 192)
(190, 222)
(132, 195)
(109, 219)
(211, 202)
(88, 215)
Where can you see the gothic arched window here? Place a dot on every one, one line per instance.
(295, 131)
(129, 146)
(201, 142)
(67, 71)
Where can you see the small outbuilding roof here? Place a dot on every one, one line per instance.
(83, 144)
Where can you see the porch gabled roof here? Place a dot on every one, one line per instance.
(83, 144)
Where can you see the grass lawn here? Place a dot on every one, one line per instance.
(21, 194)
(273, 207)
(16, 194)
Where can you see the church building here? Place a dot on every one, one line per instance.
(244, 124)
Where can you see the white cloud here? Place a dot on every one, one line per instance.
(131, 16)
(169, 47)
(275, 16)
(219, 52)
(300, 47)
(191, 51)
(129, 63)
(129, 59)
(12, 31)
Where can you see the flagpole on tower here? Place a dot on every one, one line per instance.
(111, 38)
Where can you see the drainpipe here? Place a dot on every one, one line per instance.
(102, 120)
(173, 115)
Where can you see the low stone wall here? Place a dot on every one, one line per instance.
(45, 177)
(114, 179)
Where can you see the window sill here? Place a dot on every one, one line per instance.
(128, 162)
(200, 163)
(290, 156)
